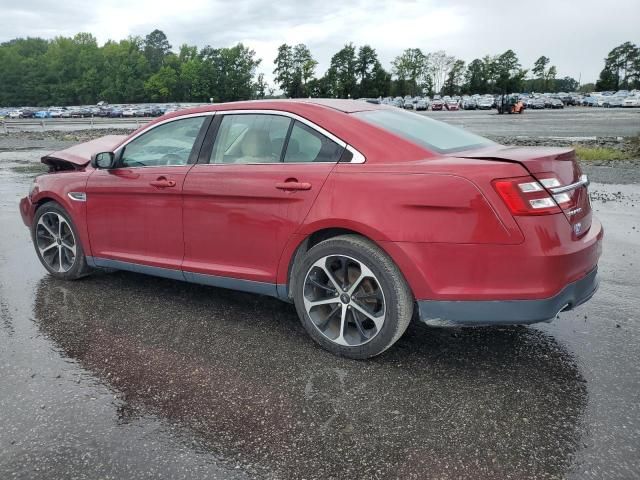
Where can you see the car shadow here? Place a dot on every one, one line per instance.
(241, 378)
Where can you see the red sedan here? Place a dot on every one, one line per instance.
(360, 214)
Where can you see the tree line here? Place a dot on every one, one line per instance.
(75, 70)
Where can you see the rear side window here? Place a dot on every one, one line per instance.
(307, 145)
(434, 135)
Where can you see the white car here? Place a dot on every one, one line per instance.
(631, 101)
(15, 114)
(129, 112)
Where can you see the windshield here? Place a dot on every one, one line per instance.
(426, 132)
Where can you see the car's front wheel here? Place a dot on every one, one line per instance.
(55, 239)
(351, 297)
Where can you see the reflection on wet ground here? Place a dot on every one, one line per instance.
(240, 373)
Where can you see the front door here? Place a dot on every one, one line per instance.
(263, 175)
(134, 211)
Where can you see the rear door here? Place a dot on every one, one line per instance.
(134, 211)
(260, 177)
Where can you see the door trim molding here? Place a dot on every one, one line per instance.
(239, 284)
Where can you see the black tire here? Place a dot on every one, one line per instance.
(399, 303)
(79, 267)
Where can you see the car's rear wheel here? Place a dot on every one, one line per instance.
(55, 239)
(351, 298)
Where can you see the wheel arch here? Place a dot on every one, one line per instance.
(303, 243)
(75, 210)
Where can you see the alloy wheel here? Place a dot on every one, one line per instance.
(55, 242)
(344, 300)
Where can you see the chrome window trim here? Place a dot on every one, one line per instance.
(567, 188)
(357, 156)
(163, 122)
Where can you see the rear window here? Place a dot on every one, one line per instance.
(427, 132)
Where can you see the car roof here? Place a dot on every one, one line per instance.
(341, 105)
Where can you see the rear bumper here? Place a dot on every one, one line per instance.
(508, 312)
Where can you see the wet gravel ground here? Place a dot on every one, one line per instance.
(577, 122)
(125, 376)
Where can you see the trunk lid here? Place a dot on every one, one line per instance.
(79, 156)
(544, 164)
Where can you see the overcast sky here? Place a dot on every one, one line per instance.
(576, 35)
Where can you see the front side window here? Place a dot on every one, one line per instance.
(307, 145)
(434, 135)
(167, 144)
(250, 138)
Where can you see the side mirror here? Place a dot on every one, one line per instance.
(104, 160)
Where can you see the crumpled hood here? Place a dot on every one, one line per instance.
(79, 155)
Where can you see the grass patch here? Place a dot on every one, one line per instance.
(595, 154)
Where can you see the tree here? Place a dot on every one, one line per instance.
(453, 84)
(439, 64)
(491, 72)
(125, 71)
(587, 88)
(294, 70)
(475, 77)
(412, 71)
(304, 68)
(341, 76)
(540, 71)
(373, 80)
(566, 84)
(284, 71)
(161, 85)
(621, 68)
(156, 48)
(261, 87)
(509, 76)
(550, 78)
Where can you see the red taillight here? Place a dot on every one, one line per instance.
(525, 196)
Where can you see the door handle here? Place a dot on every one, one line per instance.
(292, 185)
(162, 182)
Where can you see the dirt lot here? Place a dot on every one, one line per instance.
(126, 376)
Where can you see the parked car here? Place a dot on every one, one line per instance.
(536, 104)
(485, 103)
(452, 105)
(589, 102)
(469, 104)
(15, 114)
(129, 112)
(42, 114)
(115, 112)
(613, 101)
(251, 205)
(408, 105)
(437, 104)
(56, 112)
(631, 101)
(556, 103)
(421, 104)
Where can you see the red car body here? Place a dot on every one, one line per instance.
(453, 224)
